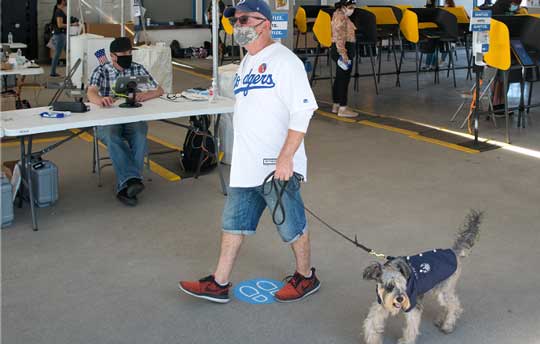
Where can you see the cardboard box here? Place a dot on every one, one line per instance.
(8, 102)
(110, 30)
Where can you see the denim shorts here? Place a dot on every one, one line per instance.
(244, 207)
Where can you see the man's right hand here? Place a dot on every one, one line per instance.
(106, 102)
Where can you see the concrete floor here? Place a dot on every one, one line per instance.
(98, 272)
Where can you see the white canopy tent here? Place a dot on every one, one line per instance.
(115, 12)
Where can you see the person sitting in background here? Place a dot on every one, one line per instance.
(342, 52)
(505, 7)
(126, 143)
(59, 26)
(444, 54)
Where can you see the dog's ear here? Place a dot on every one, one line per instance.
(373, 272)
(403, 267)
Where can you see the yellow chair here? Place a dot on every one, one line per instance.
(522, 10)
(388, 29)
(229, 31)
(383, 15)
(300, 20)
(322, 30)
(498, 56)
(227, 26)
(460, 13)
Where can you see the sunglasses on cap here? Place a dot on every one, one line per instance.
(243, 20)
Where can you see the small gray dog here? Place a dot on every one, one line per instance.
(402, 282)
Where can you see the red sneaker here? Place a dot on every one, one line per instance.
(206, 288)
(298, 287)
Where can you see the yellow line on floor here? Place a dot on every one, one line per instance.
(444, 144)
(412, 134)
(200, 75)
(163, 172)
(336, 117)
(154, 166)
(163, 143)
(34, 141)
(388, 128)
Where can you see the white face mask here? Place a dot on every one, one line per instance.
(513, 8)
(349, 12)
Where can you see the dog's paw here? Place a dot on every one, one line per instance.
(447, 329)
(438, 323)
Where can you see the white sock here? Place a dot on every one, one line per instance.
(310, 274)
(222, 285)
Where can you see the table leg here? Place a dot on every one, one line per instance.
(216, 144)
(28, 163)
(23, 167)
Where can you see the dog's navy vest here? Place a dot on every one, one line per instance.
(427, 270)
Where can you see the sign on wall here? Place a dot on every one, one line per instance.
(280, 22)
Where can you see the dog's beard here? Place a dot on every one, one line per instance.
(389, 301)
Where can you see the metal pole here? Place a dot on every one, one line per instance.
(122, 19)
(478, 70)
(68, 45)
(215, 49)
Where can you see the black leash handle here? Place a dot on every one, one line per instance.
(281, 186)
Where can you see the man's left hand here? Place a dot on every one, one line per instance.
(284, 168)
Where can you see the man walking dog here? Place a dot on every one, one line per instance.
(274, 104)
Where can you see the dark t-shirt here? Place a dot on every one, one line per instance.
(58, 13)
(221, 6)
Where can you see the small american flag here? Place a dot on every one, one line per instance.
(102, 58)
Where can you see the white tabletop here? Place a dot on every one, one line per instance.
(15, 45)
(23, 71)
(28, 121)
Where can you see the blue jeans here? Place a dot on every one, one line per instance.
(244, 207)
(127, 147)
(431, 59)
(59, 41)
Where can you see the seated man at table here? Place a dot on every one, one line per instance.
(126, 143)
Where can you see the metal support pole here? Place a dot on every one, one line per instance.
(478, 73)
(122, 19)
(68, 35)
(215, 49)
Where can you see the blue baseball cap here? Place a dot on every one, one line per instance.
(250, 6)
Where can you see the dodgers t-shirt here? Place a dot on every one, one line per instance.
(273, 95)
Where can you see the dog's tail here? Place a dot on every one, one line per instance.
(468, 233)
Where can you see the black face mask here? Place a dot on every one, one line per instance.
(124, 61)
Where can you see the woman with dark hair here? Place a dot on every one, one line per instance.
(59, 25)
(342, 52)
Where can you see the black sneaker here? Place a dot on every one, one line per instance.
(134, 187)
(124, 198)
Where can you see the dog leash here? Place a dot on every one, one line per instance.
(280, 186)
